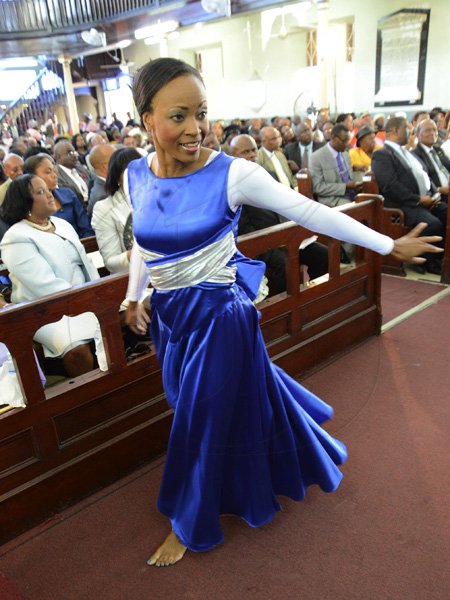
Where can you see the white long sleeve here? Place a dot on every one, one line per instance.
(139, 277)
(248, 183)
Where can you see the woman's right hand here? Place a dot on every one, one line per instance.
(137, 318)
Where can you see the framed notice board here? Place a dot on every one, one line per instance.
(402, 40)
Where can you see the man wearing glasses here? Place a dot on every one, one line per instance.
(71, 172)
(12, 167)
(331, 171)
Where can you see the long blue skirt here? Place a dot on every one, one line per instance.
(243, 431)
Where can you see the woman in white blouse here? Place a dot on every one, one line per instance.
(44, 256)
(111, 218)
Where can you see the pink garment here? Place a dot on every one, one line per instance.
(35, 134)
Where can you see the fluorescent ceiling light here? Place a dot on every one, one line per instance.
(18, 63)
(156, 29)
(151, 41)
(124, 43)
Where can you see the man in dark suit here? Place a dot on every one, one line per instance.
(406, 185)
(314, 255)
(300, 152)
(99, 158)
(71, 173)
(434, 160)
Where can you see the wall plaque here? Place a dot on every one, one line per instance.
(402, 39)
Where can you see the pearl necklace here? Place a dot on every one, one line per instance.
(40, 227)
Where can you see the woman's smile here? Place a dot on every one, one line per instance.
(178, 122)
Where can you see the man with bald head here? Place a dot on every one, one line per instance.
(71, 173)
(244, 146)
(301, 151)
(12, 167)
(314, 255)
(99, 159)
(433, 159)
(272, 159)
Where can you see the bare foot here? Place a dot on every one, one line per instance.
(170, 552)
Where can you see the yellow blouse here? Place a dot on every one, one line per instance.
(358, 158)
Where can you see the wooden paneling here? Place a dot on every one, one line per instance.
(17, 451)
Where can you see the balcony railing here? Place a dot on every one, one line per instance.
(30, 18)
(37, 101)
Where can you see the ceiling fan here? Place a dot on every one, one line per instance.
(219, 7)
(94, 37)
(288, 25)
(304, 105)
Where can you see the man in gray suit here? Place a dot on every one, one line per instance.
(331, 171)
(272, 159)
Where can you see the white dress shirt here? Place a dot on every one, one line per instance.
(78, 181)
(282, 177)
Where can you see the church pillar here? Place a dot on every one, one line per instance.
(322, 49)
(74, 123)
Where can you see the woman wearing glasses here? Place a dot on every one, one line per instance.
(67, 205)
(44, 256)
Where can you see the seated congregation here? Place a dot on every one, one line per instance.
(58, 192)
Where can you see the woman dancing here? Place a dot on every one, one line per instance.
(243, 431)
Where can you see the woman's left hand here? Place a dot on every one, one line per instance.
(409, 247)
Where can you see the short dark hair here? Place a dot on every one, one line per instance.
(338, 129)
(434, 112)
(327, 121)
(417, 115)
(18, 200)
(394, 123)
(342, 116)
(36, 150)
(153, 76)
(73, 140)
(33, 162)
(118, 162)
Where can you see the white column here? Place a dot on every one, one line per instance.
(164, 47)
(74, 123)
(101, 103)
(322, 49)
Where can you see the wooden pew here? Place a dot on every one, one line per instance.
(81, 434)
(392, 221)
(304, 183)
(445, 276)
(394, 226)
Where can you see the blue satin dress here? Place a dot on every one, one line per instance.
(243, 430)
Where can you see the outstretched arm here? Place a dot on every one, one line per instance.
(250, 184)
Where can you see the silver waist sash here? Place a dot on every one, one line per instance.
(206, 265)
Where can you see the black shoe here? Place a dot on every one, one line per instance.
(419, 268)
(434, 267)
